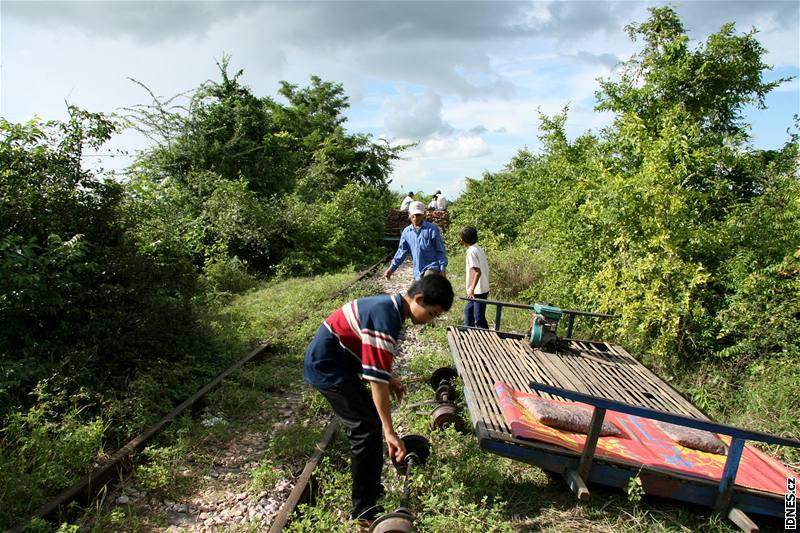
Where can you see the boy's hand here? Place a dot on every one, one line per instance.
(397, 448)
(471, 293)
(397, 388)
(388, 273)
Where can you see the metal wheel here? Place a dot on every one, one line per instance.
(445, 392)
(416, 444)
(445, 415)
(446, 374)
(393, 523)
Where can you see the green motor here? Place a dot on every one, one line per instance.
(544, 324)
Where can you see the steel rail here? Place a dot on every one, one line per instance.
(302, 490)
(88, 486)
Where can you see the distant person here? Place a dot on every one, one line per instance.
(354, 346)
(433, 205)
(407, 201)
(441, 201)
(423, 240)
(477, 279)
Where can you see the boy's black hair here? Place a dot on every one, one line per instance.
(469, 235)
(411, 194)
(435, 290)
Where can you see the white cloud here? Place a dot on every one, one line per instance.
(463, 146)
(410, 117)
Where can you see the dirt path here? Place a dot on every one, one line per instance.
(223, 499)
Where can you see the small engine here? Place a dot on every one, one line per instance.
(544, 324)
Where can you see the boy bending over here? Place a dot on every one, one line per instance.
(355, 345)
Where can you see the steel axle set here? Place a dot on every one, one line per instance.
(445, 414)
(401, 520)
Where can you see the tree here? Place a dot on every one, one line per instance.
(711, 83)
(229, 160)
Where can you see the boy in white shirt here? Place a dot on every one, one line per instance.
(477, 279)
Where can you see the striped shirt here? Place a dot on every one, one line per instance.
(356, 341)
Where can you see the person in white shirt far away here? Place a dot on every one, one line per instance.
(407, 201)
(477, 279)
(441, 201)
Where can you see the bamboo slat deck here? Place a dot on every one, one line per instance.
(591, 367)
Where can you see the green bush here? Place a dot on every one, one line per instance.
(229, 275)
(52, 444)
(332, 234)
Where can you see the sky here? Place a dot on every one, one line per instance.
(466, 81)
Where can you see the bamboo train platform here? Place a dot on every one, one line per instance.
(495, 365)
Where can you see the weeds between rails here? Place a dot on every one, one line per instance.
(116, 466)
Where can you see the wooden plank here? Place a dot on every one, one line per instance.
(468, 376)
(681, 403)
(506, 370)
(593, 380)
(554, 372)
(591, 443)
(738, 517)
(617, 373)
(642, 390)
(469, 395)
(576, 484)
(478, 364)
(524, 360)
(570, 379)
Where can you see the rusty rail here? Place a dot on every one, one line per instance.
(302, 490)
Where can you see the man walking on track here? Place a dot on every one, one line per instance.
(423, 240)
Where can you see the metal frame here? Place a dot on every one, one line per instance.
(723, 499)
(571, 313)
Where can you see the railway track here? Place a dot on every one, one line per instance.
(118, 464)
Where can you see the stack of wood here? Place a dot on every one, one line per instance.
(397, 220)
(441, 218)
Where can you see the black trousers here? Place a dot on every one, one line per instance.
(352, 403)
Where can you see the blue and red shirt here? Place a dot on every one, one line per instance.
(356, 341)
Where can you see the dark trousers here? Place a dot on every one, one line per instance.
(352, 403)
(475, 313)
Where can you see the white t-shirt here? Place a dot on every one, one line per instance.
(406, 202)
(441, 202)
(476, 257)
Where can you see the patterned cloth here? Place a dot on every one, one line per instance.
(644, 443)
(356, 341)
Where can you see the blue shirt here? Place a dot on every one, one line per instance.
(357, 341)
(426, 249)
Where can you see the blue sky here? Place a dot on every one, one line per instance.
(465, 80)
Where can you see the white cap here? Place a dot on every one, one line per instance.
(416, 208)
